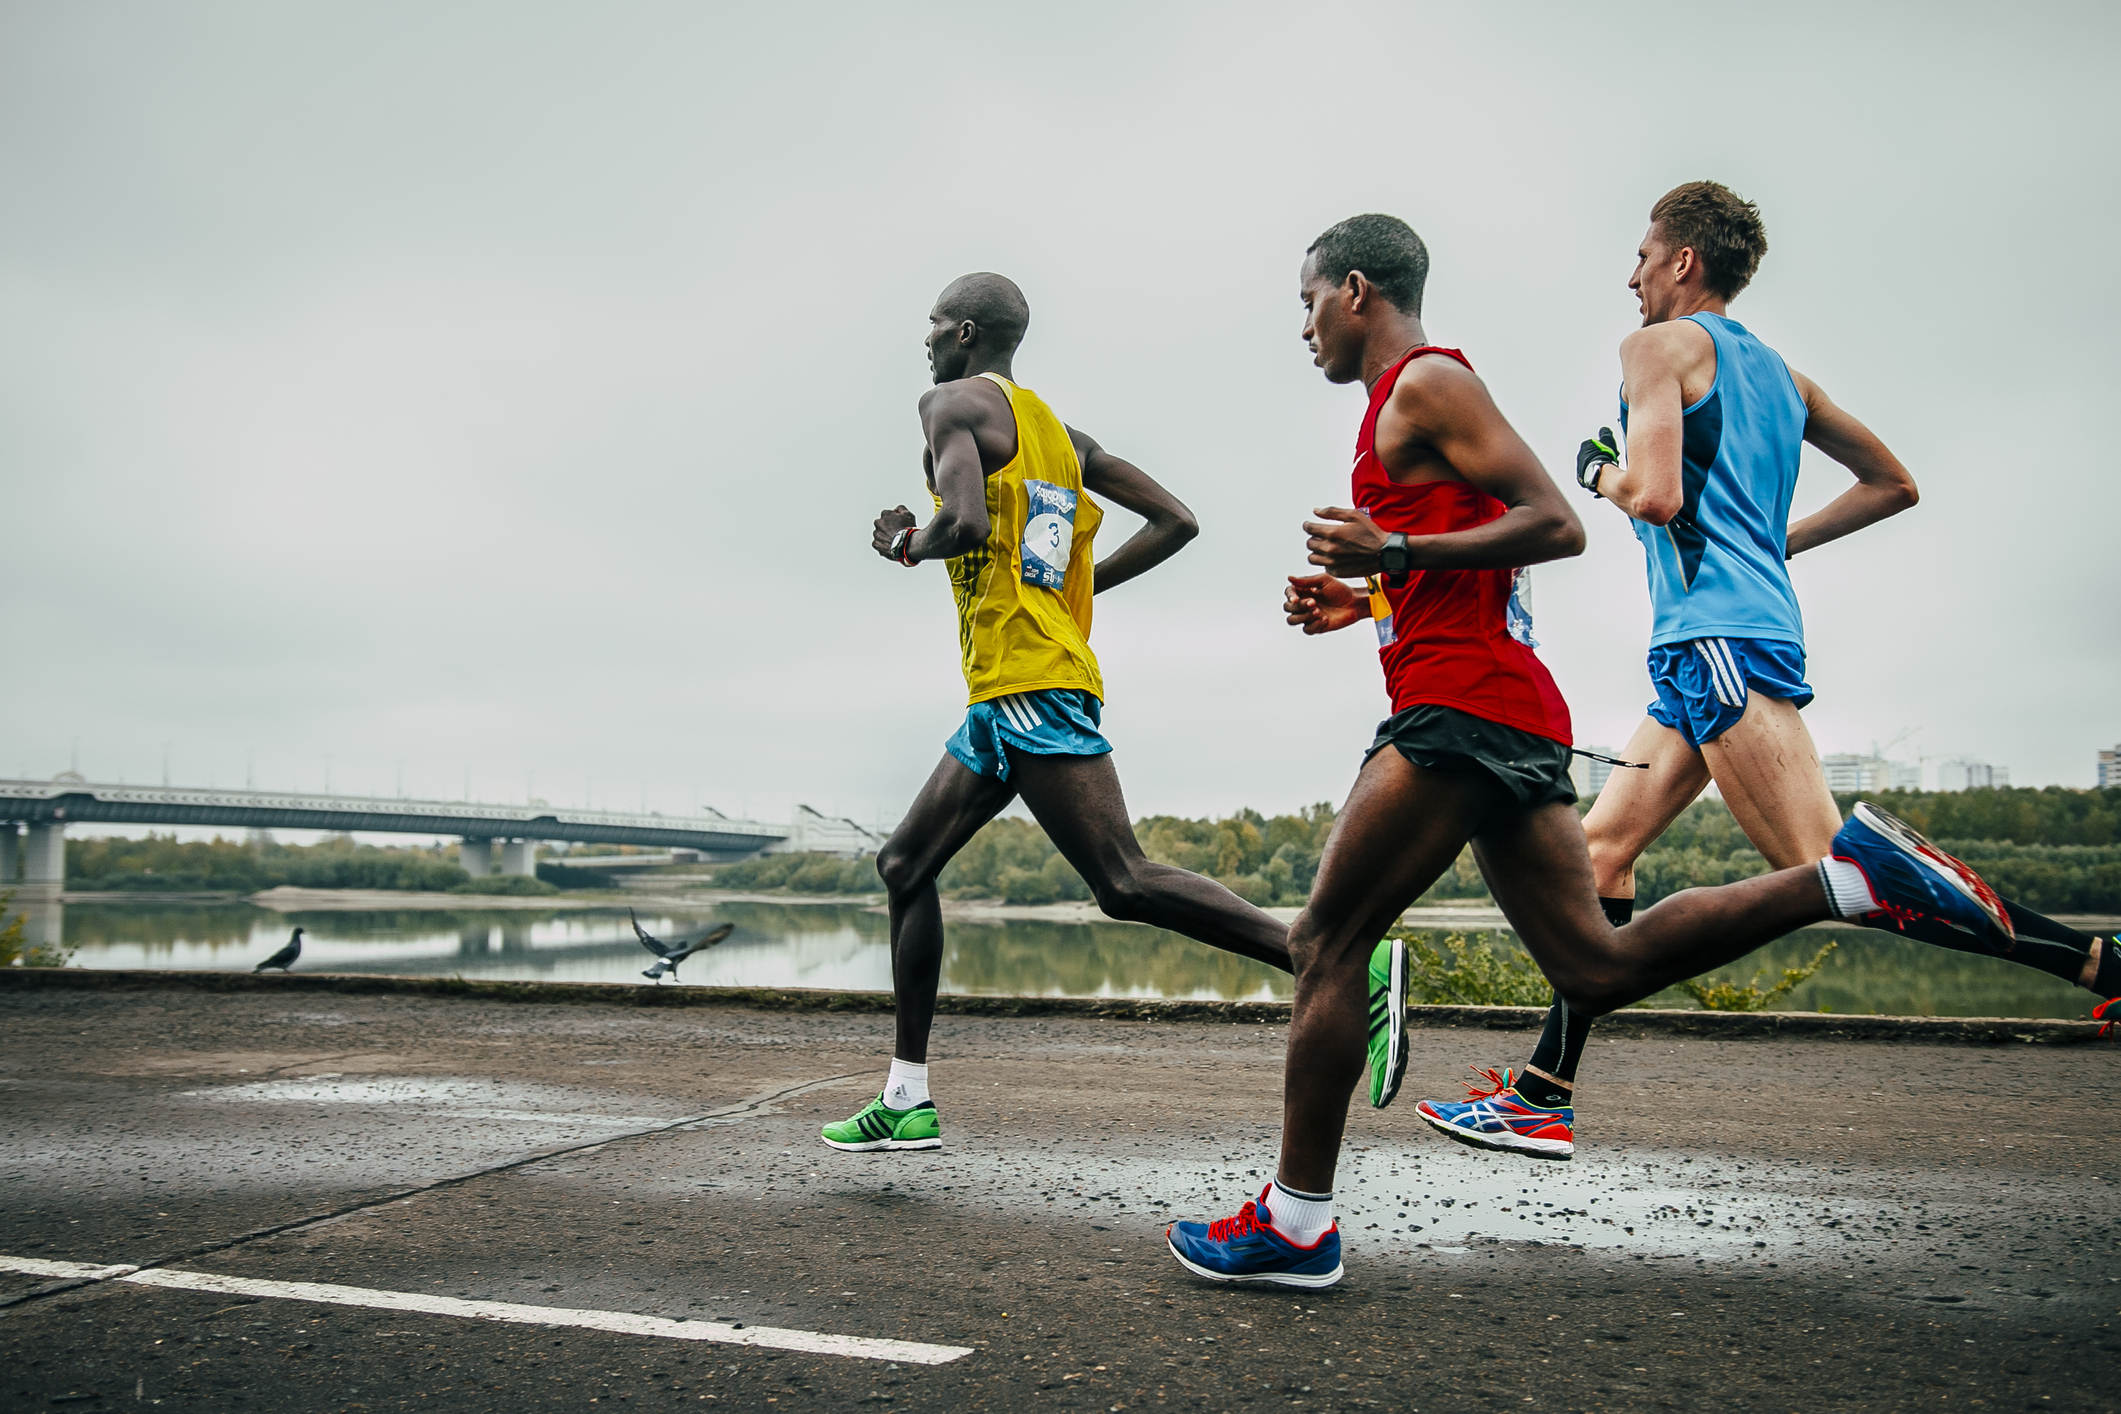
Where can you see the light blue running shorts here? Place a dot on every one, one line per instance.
(1059, 721)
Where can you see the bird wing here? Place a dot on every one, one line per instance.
(281, 958)
(648, 939)
(679, 954)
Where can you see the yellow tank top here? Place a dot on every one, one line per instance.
(1023, 598)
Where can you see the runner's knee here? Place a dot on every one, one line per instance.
(900, 869)
(1124, 895)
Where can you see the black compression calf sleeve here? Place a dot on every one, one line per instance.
(2054, 948)
(2108, 981)
(1560, 1048)
(1618, 910)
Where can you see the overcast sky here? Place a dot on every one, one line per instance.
(504, 392)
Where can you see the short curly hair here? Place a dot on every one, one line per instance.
(1384, 248)
(1723, 228)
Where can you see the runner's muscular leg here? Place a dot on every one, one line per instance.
(1402, 827)
(950, 809)
(1539, 871)
(1078, 801)
(1768, 772)
(1635, 807)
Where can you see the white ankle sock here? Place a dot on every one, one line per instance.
(1848, 893)
(1300, 1217)
(907, 1085)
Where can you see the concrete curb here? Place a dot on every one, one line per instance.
(1720, 1025)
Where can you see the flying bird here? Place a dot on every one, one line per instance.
(285, 957)
(667, 955)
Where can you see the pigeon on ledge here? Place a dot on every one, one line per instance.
(285, 957)
(667, 955)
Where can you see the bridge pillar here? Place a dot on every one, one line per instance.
(476, 855)
(44, 861)
(519, 857)
(10, 854)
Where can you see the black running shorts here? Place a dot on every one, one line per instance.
(1533, 769)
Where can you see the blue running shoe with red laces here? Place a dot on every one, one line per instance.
(1248, 1251)
(2099, 1013)
(1499, 1118)
(1913, 879)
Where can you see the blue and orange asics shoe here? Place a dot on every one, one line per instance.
(1499, 1118)
(1914, 880)
(1247, 1250)
(2111, 1004)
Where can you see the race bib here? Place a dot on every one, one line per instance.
(1049, 533)
(1381, 613)
(1517, 615)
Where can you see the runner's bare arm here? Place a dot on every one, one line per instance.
(1654, 363)
(1170, 525)
(953, 416)
(1441, 418)
(1319, 603)
(1883, 487)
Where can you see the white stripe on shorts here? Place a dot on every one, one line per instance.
(1723, 671)
(1730, 662)
(1019, 712)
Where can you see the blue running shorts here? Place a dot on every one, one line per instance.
(1703, 684)
(1060, 721)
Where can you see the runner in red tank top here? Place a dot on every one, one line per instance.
(1451, 502)
(1450, 637)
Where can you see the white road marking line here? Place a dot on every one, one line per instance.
(616, 1322)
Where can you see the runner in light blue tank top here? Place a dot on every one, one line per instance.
(1716, 569)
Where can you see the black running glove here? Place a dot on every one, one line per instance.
(1593, 457)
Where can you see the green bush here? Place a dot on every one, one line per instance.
(568, 876)
(801, 873)
(163, 864)
(1487, 970)
(1729, 996)
(17, 951)
(504, 886)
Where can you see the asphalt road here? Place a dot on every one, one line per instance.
(1750, 1224)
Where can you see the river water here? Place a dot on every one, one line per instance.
(842, 946)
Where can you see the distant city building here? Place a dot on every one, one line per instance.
(2110, 767)
(1966, 773)
(1589, 776)
(1848, 772)
(1903, 775)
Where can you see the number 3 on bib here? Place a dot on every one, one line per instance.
(1049, 533)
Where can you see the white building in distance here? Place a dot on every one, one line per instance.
(2110, 767)
(1849, 773)
(1966, 773)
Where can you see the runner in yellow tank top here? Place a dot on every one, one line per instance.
(1019, 631)
(1014, 518)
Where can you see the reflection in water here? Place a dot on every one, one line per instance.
(847, 947)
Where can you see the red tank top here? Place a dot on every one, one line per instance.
(1449, 637)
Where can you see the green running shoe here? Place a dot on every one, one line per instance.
(877, 1126)
(1388, 1020)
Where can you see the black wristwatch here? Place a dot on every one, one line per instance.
(1395, 559)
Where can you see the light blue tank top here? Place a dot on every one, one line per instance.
(1717, 570)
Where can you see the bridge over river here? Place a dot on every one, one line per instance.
(34, 816)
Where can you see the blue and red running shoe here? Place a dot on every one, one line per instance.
(1912, 879)
(1247, 1250)
(2111, 1004)
(1497, 1117)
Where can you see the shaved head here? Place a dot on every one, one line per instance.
(993, 302)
